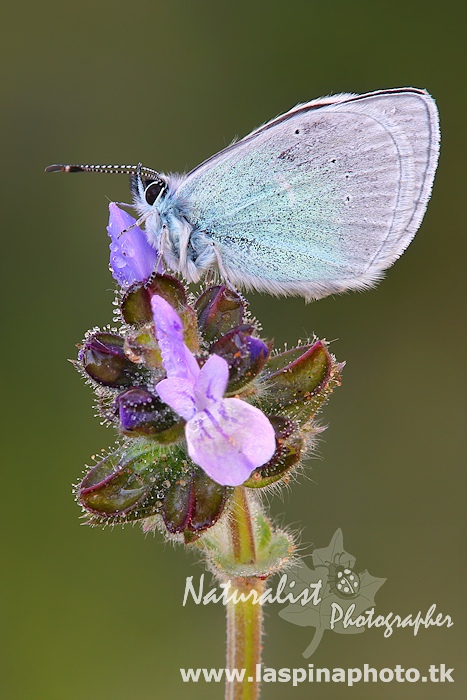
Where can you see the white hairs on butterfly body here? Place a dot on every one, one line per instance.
(320, 200)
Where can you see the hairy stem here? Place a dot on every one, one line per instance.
(244, 613)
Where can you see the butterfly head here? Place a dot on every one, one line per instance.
(147, 187)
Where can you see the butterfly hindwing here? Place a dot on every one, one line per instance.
(323, 198)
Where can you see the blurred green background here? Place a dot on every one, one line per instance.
(91, 613)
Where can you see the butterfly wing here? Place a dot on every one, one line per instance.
(323, 198)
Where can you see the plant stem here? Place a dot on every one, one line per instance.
(241, 528)
(244, 631)
(244, 617)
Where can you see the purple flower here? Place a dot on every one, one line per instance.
(228, 438)
(132, 259)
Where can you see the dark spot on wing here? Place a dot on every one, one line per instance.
(287, 155)
(290, 154)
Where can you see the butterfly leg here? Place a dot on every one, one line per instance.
(209, 277)
(121, 204)
(159, 266)
(223, 273)
(140, 221)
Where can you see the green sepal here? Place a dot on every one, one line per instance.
(125, 484)
(141, 347)
(219, 310)
(103, 358)
(245, 355)
(136, 302)
(297, 381)
(142, 413)
(288, 452)
(274, 548)
(132, 482)
(193, 504)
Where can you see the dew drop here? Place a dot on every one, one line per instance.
(118, 262)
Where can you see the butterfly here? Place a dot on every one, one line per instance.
(320, 200)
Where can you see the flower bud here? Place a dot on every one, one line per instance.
(132, 259)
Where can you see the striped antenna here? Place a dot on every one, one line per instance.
(146, 173)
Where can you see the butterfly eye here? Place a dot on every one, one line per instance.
(153, 190)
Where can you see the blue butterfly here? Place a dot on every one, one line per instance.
(320, 200)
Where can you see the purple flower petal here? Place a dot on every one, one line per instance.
(211, 382)
(132, 259)
(178, 393)
(230, 439)
(176, 357)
